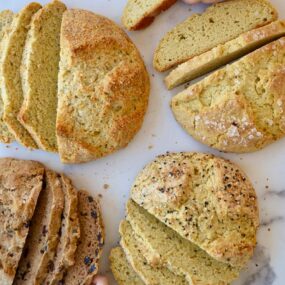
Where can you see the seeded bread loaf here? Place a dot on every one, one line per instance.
(20, 185)
(39, 74)
(138, 14)
(6, 18)
(122, 270)
(224, 53)
(149, 275)
(91, 242)
(11, 87)
(206, 199)
(218, 24)
(241, 107)
(70, 233)
(43, 235)
(180, 256)
(103, 88)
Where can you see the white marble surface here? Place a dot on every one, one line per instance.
(160, 133)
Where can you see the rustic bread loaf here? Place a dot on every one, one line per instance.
(70, 233)
(224, 53)
(43, 236)
(6, 18)
(241, 107)
(103, 88)
(180, 256)
(20, 185)
(91, 242)
(122, 270)
(218, 24)
(206, 199)
(149, 275)
(39, 74)
(138, 14)
(11, 87)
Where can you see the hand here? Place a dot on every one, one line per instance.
(100, 280)
(199, 1)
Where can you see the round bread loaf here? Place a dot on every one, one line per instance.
(206, 199)
(103, 88)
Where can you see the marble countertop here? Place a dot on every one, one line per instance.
(111, 177)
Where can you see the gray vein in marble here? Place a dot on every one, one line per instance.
(280, 194)
(271, 221)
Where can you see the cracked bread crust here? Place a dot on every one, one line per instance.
(103, 88)
(241, 107)
(206, 199)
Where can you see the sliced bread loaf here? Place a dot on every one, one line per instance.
(138, 14)
(224, 53)
(6, 18)
(239, 108)
(91, 242)
(39, 73)
(169, 249)
(103, 88)
(20, 185)
(206, 199)
(70, 233)
(44, 234)
(218, 24)
(11, 86)
(149, 275)
(122, 270)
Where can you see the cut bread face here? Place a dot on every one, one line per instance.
(11, 86)
(6, 18)
(224, 53)
(91, 242)
(20, 185)
(133, 251)
(43, 236)
(163, 247)
(138, 14)
(218, 24)
(39, 74)
(239, 108)
(122, 270)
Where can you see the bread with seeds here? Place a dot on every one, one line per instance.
(241, 107)
(205, 199)
(20, 185)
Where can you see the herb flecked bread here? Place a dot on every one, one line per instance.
(20, 185)
(224, 53)
(165, 247)
(138, 14)
(241, 107)
(103, 88)
(206, 199)
(218, 24)
(39, 74)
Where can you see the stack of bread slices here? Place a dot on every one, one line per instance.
(192, 219)
(71, 82)
(50, 232)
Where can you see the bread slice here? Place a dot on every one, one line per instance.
(239, 108)
(20, 185)
(6, 18)
(91, 242)
(70, 233)
(103, 88)
(122, 270)
(196, 195)
(138, 14)
(44, 234)
(11, 87)
(218, 24)
(164, 247)
(224, 53)
(39, 72)
(149, 275)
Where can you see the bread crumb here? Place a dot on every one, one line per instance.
(150, 147)
(106, 186)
